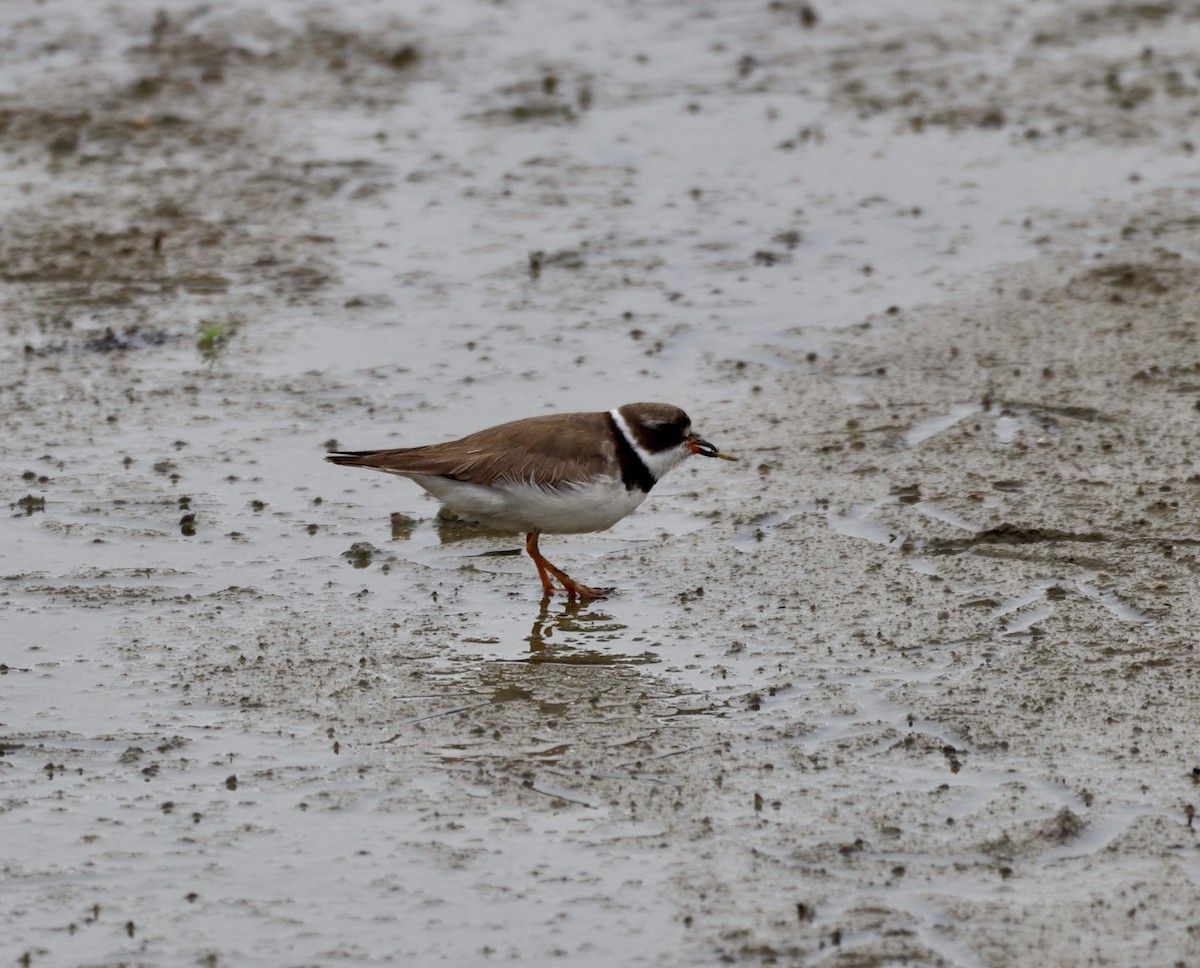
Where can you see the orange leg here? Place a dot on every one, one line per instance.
(542, 564)
(573, 588)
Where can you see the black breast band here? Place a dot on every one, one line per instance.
(634, 472)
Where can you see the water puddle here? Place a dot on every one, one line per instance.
(1007, 428)
(924, 429)
(855, 522)
(1113, 602)
(946, 516)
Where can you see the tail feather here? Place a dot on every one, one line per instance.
(352, 458)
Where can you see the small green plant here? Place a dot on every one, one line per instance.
(211, 338)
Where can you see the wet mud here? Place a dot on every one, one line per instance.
(915, 681)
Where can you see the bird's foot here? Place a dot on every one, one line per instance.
(575, 589)
(548, 572)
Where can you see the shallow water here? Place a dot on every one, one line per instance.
(907, 683)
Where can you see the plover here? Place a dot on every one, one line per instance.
(564, 473)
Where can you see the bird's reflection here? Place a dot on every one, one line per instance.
(579, 632)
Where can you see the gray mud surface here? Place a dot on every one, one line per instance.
(913, 683)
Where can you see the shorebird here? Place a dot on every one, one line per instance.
(565, 473)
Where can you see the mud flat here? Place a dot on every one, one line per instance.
(914, 682)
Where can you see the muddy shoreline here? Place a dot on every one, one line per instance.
(914, 681)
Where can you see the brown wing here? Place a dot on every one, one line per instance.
(550, 451)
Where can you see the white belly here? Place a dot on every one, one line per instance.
(519, 507)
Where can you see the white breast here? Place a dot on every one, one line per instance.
(522, 507)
